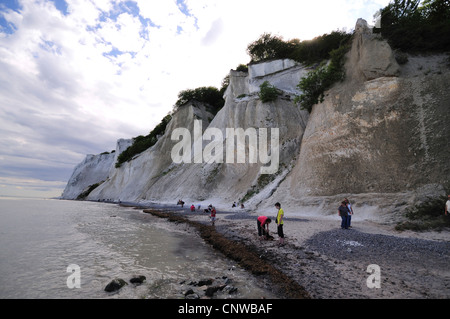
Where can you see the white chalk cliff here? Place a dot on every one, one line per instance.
(92, 170)
(381, 137)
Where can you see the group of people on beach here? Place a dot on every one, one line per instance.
(263, 222)
(346, 212)
(211, 210)
(237, 205)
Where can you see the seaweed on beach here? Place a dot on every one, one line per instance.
(242, 254)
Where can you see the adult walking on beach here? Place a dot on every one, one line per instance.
(447, 205)
(343, 212)
(262, 223)
(350, 212)
(280, 223)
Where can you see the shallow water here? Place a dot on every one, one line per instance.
(40, 239)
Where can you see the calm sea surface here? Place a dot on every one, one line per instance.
(40, 239)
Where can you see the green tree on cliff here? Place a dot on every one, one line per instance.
(412, 26)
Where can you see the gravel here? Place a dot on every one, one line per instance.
(353, 244)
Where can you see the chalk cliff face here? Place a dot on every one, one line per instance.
(92, 170)
(381, 138)
(132, 180)
(155, 176)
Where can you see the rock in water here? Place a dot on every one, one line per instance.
(211, 290)
(115, 285)
(138, 280)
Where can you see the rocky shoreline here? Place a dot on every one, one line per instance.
(321, 261)
(247, 258)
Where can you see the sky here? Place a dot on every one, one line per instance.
(76, 75)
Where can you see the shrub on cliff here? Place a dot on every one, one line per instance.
(208, 95)
(142, 143)
(415, 26)
(87, 191)
(242, 68)
(331, 46)
(319, 48)
(267, 92)
(323, 77)
(269, 47)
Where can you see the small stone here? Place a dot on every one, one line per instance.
(188, 292)
(206, 282)
(211, 290)
(230, 289)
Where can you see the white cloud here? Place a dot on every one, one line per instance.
(123, 34)
(29, 187)
(165, 14)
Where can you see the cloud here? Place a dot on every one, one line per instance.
(29, 187)
(214, 32)
(79, 74)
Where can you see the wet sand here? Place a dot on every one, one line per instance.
(322, 261)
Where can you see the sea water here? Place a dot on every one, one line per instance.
(40, 239)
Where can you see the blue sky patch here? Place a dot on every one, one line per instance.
(129, 6)
(5, 25)
(116, 52)
(50, 46)
(119, 8)
(61, 5)
(10, 4)
(183, 7)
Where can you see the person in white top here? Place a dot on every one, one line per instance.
(350, 211)
(447, 206)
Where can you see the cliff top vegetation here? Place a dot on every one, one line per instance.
(416, 27)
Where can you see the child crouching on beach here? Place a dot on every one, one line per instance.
(262, 224)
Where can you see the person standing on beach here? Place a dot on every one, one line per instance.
(213, 216)
(343, 212)
(262, 223)
(447, 205)
(280, 223)
(350, 212)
